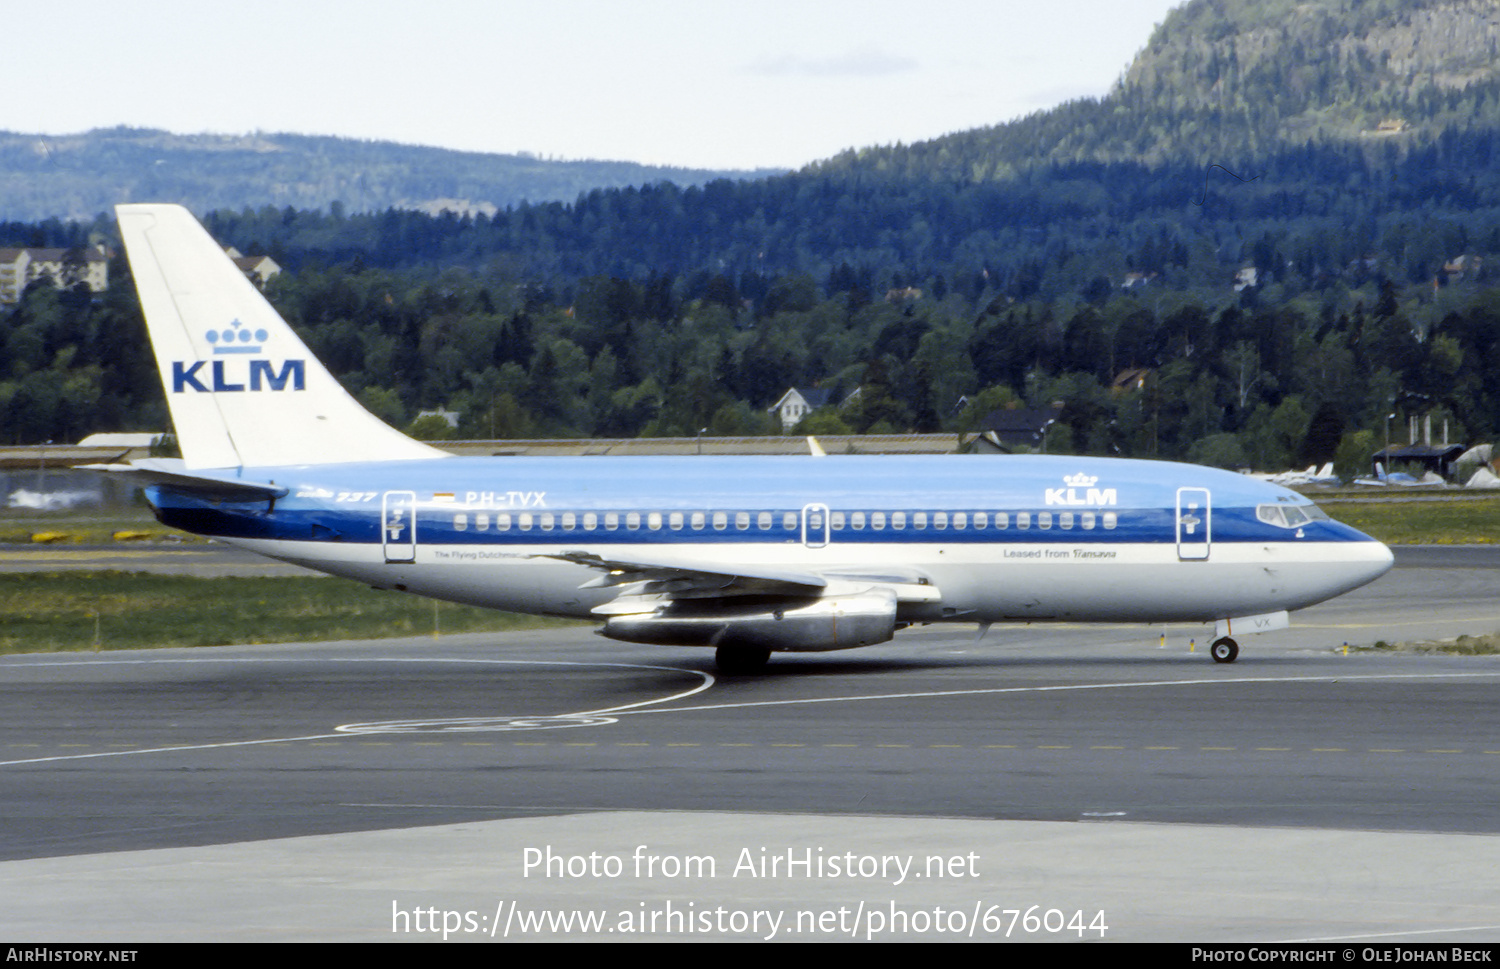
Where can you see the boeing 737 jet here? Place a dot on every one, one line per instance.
(749, 555)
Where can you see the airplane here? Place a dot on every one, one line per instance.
(746, 555)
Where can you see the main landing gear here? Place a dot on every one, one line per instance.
(740, 660)
(1224, 650)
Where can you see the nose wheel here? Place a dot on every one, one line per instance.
(1224, 650)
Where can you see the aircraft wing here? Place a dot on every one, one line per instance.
(646, 582)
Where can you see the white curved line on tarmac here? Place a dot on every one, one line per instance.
(533, 722)
(545, 721)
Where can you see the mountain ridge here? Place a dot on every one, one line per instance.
(77, 176)
(1228, 80)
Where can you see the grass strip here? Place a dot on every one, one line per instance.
(1417, 521)
(52, 611)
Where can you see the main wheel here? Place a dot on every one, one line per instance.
(738, 660)
(1224, 650)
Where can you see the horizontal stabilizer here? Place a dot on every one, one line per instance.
(171, 473)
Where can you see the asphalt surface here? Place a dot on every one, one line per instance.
(321, 791)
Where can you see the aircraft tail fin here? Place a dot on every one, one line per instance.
(242, 387)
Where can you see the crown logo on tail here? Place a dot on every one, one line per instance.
(236, 338)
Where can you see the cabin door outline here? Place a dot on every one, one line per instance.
(398, 526)
(815, 527)
(1195, 521)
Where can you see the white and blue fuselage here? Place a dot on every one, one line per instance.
(1025, 538)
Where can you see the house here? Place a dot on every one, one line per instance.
(258, 269)
(1015, 427)
(1461, 267)
(449, 417)
(797, 403)
(1133, 378)
(65, 267)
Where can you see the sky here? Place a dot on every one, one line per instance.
(692, 83)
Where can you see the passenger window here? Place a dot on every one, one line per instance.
(721, 521)
(940, 520)
(742, 520)
(611, 520)
(837, 520)
(898, 520)
(1023, 519)
(547, 521)
(1088, 521)
(877, 521)
(960, 520)
(502, 522)
(1044, 519)
(919, 519)
(981, 520)
(525, 521)
(1002, 519)
(789, 521)
(569, 521)
(590, 521)
(461, 522)
(764, 521)
(674, 521)
(1065, 519)
(632, 520)
(857, 521)
(653, 521)
(482, 522)
(1109, 520)
(698, 521)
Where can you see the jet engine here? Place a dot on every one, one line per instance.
(777, 624)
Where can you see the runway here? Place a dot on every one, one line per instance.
(1299, 793)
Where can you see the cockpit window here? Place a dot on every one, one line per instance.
(1290, 516)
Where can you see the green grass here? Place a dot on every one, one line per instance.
(1412, 520)
(91, 528)
(45, 612)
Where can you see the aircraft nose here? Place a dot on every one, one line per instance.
(1369, 561)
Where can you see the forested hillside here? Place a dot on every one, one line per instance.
(79, 176)
(1276, 235)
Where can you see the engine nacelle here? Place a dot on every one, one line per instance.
(780, 625)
